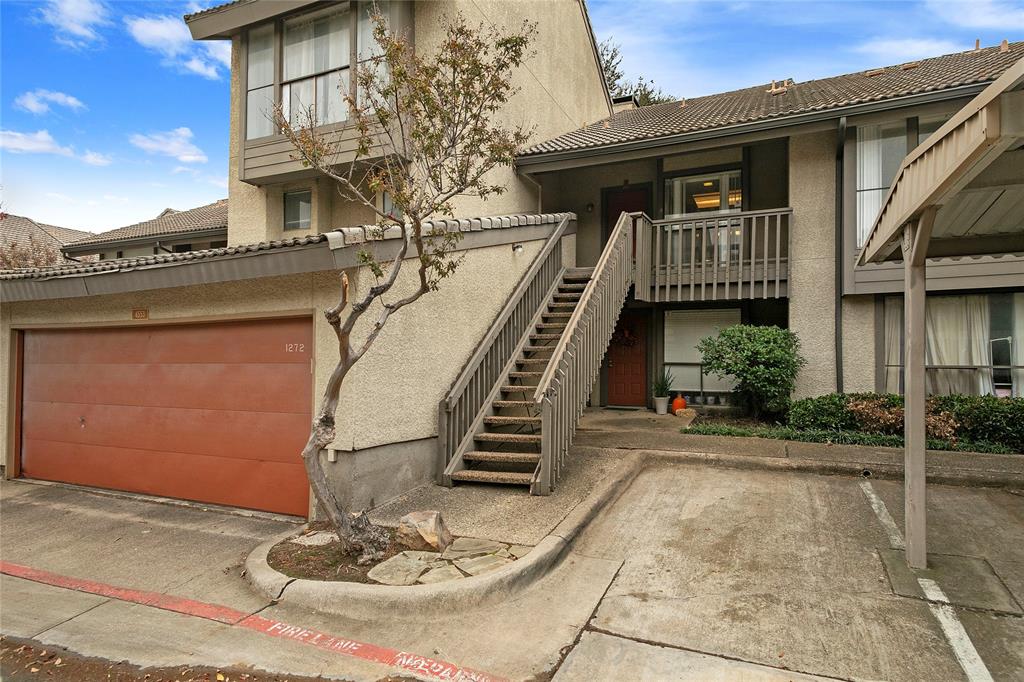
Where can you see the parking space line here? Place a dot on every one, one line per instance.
(421, 666)
(882, 512)
(956, 635)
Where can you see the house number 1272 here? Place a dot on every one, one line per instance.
(294, 347)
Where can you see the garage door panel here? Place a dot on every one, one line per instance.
(283, 341)
(267, 436)
(270, 486)
(201, 386)
(214, 412)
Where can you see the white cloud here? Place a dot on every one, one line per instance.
(217, 181)
(75, 21)
(175, 143)
(980, 14)
(168, 36)
(887, 51)
(38, 101)
(39, 142)
(95, 158)
(42, 142)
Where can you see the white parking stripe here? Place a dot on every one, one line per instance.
(957, 637)
(891, 529)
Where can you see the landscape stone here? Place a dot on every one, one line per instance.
(316, 539)
(469, 547)
(481, 564)
(423, 530)
(426, 557)
(519, 551)
(442, 574)
(398, 570)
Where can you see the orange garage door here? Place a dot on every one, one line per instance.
(215, 413)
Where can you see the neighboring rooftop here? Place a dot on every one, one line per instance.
(170, 223)
(786, 98)
(16, 228)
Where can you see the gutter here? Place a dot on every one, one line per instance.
(755, 126)
(840, 152)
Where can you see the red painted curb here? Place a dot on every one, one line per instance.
(421, 666)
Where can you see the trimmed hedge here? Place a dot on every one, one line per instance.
(841, 437)
(983, 421)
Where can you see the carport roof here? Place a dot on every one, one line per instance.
(312, 253)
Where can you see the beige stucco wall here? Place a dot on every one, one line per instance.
(391, 395)
(859, 351)
(812, 258)
(560, 89)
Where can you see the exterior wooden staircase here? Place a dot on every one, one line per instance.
(508, 448)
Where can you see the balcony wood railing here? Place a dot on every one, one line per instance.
(462, 408)
(565, 386)
(716, 257)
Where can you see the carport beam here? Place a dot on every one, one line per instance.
(916, 235)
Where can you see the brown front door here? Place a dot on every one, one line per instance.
(215, 413)
(623, 200)
(627, 361)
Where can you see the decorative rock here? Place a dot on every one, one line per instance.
(519, 551)
(317, 538)
(398, 570)
(442, 574)
(423, 530)
(481, 564)
(427, 557)
(469, 547)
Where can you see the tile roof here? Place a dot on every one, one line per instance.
(760, 103)
(168, 223)
(15, 228)
(215, 8)
(343, 237)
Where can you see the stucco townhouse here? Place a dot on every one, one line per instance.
(626, 235)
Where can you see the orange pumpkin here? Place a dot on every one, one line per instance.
(679, 403)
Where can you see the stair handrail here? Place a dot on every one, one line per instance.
(565, 385)
(526, 295)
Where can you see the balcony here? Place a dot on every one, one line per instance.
(713, 257)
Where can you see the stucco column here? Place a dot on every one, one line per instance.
(812, 259)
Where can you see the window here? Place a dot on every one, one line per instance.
(880, 151)
(103, 256)
(259, 101)
(703, 194)
(181, 248)
(973, 344)
(120, 254)
(317, 56)
(926, 127)
(388, 206)
(683, 331)
(219, 244)
(298, 210)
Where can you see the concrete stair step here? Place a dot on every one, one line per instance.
(488, 437)
(509, 388)
(533, 361)
(562, 306)
(568, 296)
(538, 337)
(532, 348)
(504, 477)
(502, 457)
(557, 315)
(565, 287)
(507, 421)
(551, 325)
(525, 375)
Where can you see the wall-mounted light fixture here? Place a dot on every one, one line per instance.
(517, 248)
(590, 207)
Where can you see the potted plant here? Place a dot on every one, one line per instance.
(662, 387)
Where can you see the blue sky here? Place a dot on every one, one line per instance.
(109, 113)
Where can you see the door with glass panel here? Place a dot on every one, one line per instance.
(702, 203)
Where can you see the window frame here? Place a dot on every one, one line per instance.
(284, 210)
(722, 173)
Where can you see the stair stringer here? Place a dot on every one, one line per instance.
(457, 462)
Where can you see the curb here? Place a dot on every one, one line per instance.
(364, 601)
(882, 470)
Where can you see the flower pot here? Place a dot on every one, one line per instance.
(661, 405)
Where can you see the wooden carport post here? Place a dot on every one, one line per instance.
(915, 246)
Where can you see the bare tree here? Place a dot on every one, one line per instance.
(27, 253)
(427, 134)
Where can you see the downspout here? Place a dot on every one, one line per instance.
(540, 190)
(840, 145)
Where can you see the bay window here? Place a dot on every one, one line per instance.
(313, 62)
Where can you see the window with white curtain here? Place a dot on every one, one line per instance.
(315, 67)
(259, 101)
(974, 344)
(880, 151)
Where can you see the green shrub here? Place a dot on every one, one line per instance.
(764, 361)
(824, 413)
(986, 418)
